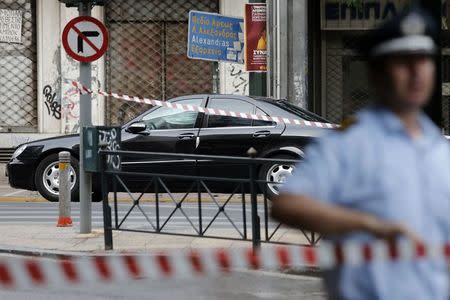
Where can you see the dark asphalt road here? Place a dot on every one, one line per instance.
(46, 213)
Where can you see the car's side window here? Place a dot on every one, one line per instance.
(261, 122)
(234, 105)
(169, 118)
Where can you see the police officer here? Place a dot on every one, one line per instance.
(384, 174)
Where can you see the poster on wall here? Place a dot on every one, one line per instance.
(215, 37)
(10, 26)
(255, 37)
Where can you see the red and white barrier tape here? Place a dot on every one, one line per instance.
(27, 272)
(211, 111)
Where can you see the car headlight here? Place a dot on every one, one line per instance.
(19, 151)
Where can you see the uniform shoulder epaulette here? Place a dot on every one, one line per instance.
(347, 123)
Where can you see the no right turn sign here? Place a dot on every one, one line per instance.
(85, 39)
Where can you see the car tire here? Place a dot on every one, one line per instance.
(47, 178)
(274, 173)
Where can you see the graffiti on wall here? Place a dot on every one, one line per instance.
(239, 79)
(300, 91)
(51, 102)
(71, 110)
(65, 108)
(71, 105)
(70, 101)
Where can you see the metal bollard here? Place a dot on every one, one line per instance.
(64, 190)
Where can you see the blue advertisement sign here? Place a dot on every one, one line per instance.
(215, 37)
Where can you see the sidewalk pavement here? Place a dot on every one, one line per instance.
(52, 240)
(47, 240)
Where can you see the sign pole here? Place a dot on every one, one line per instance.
(85, 39)
(84, 9)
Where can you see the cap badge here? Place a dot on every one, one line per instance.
(413, 24)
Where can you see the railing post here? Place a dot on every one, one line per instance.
(64, 219)
(256, 225)
(107, 222)
(116, 210)
(199, 202)
(158, 225)
(244, 210)
(266, 215)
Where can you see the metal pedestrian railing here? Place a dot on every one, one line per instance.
(253, 200)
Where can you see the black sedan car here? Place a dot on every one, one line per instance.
(34, 165)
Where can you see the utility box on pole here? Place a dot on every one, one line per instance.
(97, 138)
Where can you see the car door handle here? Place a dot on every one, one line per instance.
(260, 134)
(186, 136)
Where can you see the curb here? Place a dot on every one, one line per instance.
(55, 254)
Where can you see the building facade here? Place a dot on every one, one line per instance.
(146, 57)
(288, 59)
(311, 60)
(343, 81)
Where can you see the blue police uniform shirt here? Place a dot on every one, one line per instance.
(375, 167)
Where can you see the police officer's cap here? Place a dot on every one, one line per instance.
(414, 31)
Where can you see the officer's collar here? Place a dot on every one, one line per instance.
(393, 123)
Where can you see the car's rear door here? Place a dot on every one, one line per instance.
(233, 136)
(169, 130)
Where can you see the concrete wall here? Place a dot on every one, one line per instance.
(233, 78)
(69, 70)
(288, 51)
(299, 34)
(55, 69)
(287, 77)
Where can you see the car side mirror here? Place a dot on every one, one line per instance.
(136, 127)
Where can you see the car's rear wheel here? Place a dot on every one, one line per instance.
(275, 174)
(47, 178)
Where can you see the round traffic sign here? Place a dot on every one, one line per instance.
(85, 39)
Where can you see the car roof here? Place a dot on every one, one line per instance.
(274, 101)
(302, 112)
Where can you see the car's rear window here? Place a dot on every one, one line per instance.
(282, 108)
(302, 113)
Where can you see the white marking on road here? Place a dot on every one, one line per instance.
(14, 193)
